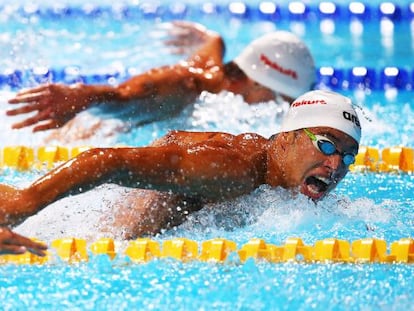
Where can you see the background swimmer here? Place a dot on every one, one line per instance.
(275, 65)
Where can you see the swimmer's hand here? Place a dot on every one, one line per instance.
(186, 37)
(13, 243)
(55, 104)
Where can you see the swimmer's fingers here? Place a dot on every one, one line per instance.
(34, 101)
(178, 41)
(183, 39)
(12, 249)
(25, 123)
(25, 109)
(36, 248)
(30, 95)
(189, 26)
(13, 243)
(178, 51)
(20, 245)
(186, 34)
(41, 116)
(182, 46)
(47, 126)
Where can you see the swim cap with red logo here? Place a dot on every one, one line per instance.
(279, 61)
(323, 109)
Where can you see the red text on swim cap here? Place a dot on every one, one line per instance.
(277, 67)
(309, 102)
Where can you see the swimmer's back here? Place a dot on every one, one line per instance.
(248, 145)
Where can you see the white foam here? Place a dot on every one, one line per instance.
(269, 213)
(81, 216)
(278, 213)
(228, 112)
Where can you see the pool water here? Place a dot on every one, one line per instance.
(377, 205)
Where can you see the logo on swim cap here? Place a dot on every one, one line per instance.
(277, 67)
(351, 117)
(279, 61)
(308, 102)
(323, 109)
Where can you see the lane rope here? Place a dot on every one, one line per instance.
(264, 10)
(354, 78)
(220, 250)
(369, 159)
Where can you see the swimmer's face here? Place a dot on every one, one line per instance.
(256, 93)
(251, 91)
(306, 168)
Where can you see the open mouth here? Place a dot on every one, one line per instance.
(315, 186)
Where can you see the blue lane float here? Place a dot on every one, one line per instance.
(328, 77)
(266, 10)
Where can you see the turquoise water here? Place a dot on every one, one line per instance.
(158, 286)
(363, 205)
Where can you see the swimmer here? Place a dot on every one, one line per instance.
(182, 171)
(13, 243)
(276, 65)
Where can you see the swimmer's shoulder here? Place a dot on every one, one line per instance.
(193, 138)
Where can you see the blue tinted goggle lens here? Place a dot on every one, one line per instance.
(348, 159)
(327, 147)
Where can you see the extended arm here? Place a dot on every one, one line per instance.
(162, 91)
(205, 172)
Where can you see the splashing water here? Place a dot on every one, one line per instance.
(271, 213)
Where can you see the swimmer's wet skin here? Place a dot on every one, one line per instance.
(189, 169)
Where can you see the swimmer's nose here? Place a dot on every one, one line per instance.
(334, 162)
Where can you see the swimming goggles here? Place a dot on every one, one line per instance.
(327, 147)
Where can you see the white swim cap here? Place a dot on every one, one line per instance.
(323, 108)
(279, 61)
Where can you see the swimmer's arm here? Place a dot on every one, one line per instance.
(181, 81)
(55, 104)
(202, 71)
(205, 173)
(155, 91)
(178, 85)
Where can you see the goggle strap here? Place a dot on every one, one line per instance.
(310, 134)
